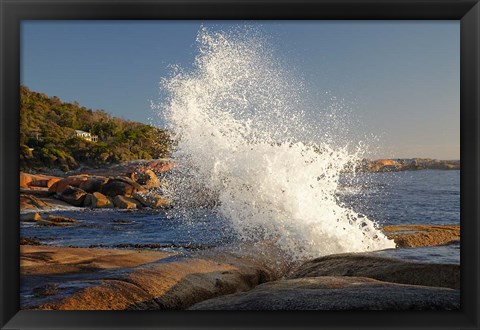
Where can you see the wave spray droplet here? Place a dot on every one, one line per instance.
(242, 135)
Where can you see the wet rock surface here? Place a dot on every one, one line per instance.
(422, 235)
(47, 260)
(336, 293)
(94, 279)
(381, 268)
(106, 279)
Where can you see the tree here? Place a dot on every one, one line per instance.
(55, 122)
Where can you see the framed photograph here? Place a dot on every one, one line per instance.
(239, 164)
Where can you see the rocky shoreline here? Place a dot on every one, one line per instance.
(139, 184)
(248, 277)
(130, 186)
(254, 277)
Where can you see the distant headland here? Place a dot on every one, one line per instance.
(406, 164)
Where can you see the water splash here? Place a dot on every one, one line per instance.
(244, 143)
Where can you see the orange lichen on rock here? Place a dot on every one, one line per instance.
(422, 235)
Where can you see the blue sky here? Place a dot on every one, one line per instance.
(400, 79)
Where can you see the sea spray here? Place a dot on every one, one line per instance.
(245, 149)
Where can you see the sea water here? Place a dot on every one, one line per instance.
(408, 197)
(434, 199)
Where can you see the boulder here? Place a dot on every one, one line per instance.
(29, 241)
(73, 196)
(27, 179)
(30, 217)
(135, 185)
(383, 269)
(52, 181)
(122, 221)
(147, 179)
(336, 293)
(48, 223)
(37, 191)
(56, 203)
(56, 221)
(73, 181)
(48, 289)
(422, 235)
(121, 186)
(124, 202)
(93, 184)
(386, 162)
(114, 188)
(29, 202)
(87, 202)
(152, 200)
(46, 182)
(99, 200)
(384, 165)
(60, 219)
(53, 188)
(39, 183)
(162, 165)
(36, 180)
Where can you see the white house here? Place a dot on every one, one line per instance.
(86, 135)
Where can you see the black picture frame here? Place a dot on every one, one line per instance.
(14, 11)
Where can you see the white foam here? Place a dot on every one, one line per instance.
(242, 134)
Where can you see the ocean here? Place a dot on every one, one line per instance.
(390, 198)
(408, 197)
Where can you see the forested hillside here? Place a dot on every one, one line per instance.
(48, 140)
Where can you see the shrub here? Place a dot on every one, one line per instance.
(47, 124)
